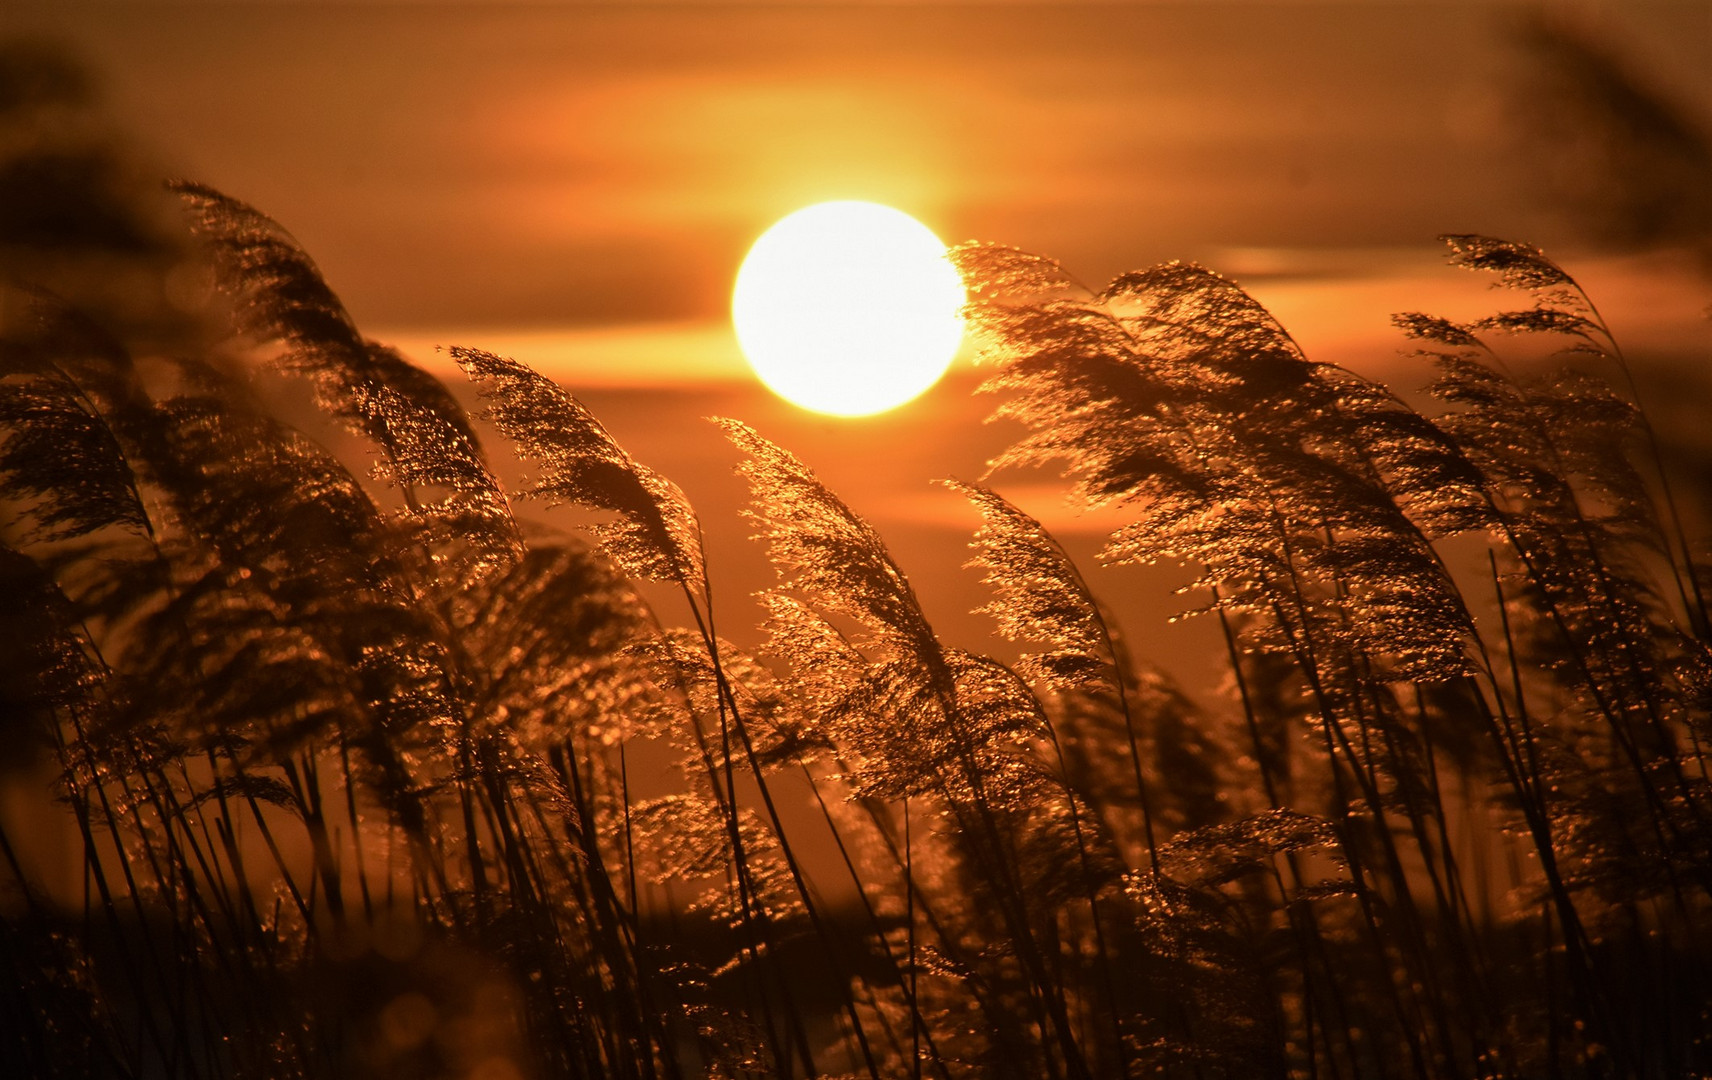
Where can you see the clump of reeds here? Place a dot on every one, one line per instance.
(349, 756)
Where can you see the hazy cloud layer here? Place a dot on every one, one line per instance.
(476, 164)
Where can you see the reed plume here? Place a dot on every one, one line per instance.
(364, 777)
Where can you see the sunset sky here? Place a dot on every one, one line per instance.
(576, 184)
(527, 165)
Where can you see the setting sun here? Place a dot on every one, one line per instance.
(849, 308)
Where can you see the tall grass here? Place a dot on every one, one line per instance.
(350, 757)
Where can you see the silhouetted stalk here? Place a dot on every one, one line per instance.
(918, 1025)
(725, 801)
(1641, 684)
(472, 840)
(169, 878)
(1046, 993)
(1589, 996)
(635, 896)
(1365, 684)
(159, 791)
(730, 718)
(147, 1022)
(1311, 932)
(604, 913)
(355, 819)
(1553, 1053)
(867, 908)
(980, 827)
(234, 853)
(797, 879)
(1684, 574)
(633, 1010)
(1089, 889)
(922, 908)
(1659, 817)
(638, 948)
(306, 793)
(164, 884)
(1302, 648)
(1596, 563)
(909, 930)
(1118, 659)
(1479, 1000)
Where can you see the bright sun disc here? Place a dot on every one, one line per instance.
(848, 308)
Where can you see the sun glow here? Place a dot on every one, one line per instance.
(848, 308)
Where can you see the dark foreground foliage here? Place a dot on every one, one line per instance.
(349, 757)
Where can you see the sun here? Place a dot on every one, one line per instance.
(848, 308)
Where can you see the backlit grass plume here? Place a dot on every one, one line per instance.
(316, 769)
(428, 448)
(656, 535)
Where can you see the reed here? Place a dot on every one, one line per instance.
(349, 756)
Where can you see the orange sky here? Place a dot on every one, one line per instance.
(513, 165)
(575, 184)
